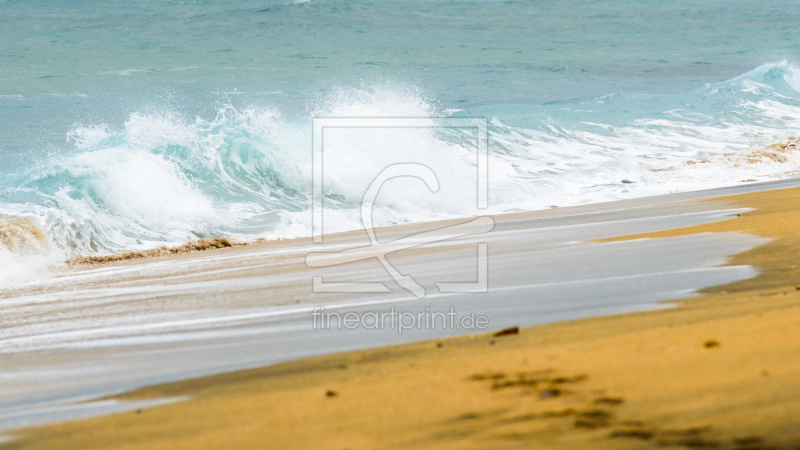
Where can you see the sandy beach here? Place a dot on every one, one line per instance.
(717, 370)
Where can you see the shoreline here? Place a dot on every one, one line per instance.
(774, 152)
(305, 379)
(21, 232)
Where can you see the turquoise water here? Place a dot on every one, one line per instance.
(131, 124)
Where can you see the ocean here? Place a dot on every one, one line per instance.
(127, 125)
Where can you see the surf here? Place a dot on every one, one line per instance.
(162, 179)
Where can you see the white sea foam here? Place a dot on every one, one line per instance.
(162, 179)
(148, 189)
(26, 252)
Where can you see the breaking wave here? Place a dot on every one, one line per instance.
(161, 179)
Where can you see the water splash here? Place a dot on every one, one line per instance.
(160, 179)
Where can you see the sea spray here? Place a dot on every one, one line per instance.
(22, 236)
(161, 179)
(25, 251)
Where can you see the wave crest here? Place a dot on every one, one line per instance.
(160, 179)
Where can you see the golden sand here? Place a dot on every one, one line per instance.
(191, 246)
(717, 371)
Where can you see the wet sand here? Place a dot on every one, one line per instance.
(719, 370)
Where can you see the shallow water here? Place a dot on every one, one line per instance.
(128, 125)
(104, 330)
